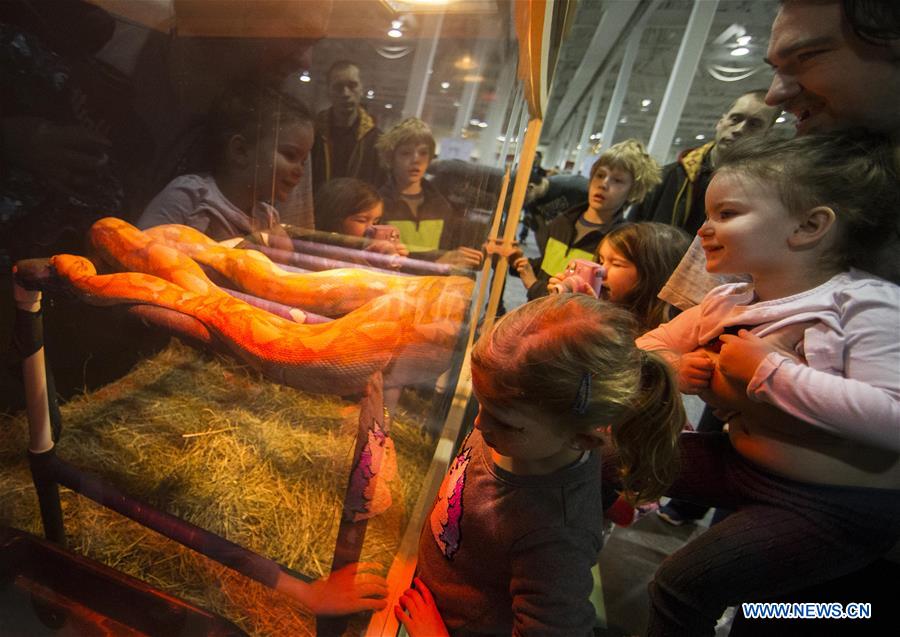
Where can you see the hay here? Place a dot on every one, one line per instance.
(263, 465)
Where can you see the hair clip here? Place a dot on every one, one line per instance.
(583, 397)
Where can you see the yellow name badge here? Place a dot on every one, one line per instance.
(426, 235)
(557, 256)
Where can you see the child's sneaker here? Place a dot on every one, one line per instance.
(645, 509)
(671, 515)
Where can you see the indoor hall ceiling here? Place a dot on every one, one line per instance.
(708, 98)
(357, 31)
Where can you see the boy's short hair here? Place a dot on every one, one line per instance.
(249, 109)
(632, 156)
(412, 130)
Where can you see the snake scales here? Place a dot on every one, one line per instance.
(406, 326)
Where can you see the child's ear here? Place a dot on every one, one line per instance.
(238, 151)
(813, 227)
(587, 441)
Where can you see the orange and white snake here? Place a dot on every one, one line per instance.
(408, 325)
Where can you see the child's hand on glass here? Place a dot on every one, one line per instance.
(418, 613)
(526, 272)
(353, 588)
(695, 369)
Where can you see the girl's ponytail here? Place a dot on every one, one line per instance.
(647, 439)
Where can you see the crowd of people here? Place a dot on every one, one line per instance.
(781, 314)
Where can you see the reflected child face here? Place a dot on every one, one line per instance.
(281, 160)
(356, 224)
(409, 163)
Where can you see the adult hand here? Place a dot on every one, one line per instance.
(68, 157)
(354, 588)
(419, 614)
(695, 369)
(462, 257)
(523, 266)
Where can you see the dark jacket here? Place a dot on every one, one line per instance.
(558, 247)
(680, 199)
(363, 163)
(431, 233)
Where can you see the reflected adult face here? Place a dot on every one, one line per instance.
(826, 76)
(749, 115)
(345, 91)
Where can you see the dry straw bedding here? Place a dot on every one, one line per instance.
(205, 439)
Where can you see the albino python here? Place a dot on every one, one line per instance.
(408, 323)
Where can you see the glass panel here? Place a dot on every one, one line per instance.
(244, 176)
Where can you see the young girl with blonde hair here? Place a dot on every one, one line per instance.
(522, 498)
(803, 361)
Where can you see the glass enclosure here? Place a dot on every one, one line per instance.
(240, 385)
(246, 246)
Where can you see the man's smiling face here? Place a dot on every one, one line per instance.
(828, 77)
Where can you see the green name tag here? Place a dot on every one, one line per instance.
(557, 256)
(426, 237)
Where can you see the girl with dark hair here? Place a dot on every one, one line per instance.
(258, 141)
(348, 206)
(637, 260)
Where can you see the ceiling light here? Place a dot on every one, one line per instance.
(474, 122)
(781, 119)
(304, 77)
(623, 120)
(389, 106)
(701, 137)
(395, 33)
(744, 40)
(370, 94)
(741, 50)
(645, 102)
(501, 138)
(677, 140)
(396, 24)
(465, 63)
(482, 124)
(445, 85)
